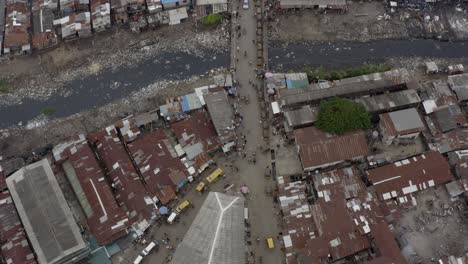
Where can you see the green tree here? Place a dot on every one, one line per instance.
(211, 19)
(338, 116)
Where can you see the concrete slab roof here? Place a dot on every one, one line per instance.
(217, 233)
(45, 214)
(221, 113)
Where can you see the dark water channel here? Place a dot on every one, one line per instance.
(96, 91)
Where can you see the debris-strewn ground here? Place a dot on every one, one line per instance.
(41, 75)
(437, 227)
(21, 140)
(367, 21)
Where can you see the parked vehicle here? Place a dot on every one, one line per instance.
(179, 209)
(214, 176)
(153, 245)
(270, 243)
(138, 259)
(200, 187)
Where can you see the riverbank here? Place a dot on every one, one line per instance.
(82, 65)
(371, 21)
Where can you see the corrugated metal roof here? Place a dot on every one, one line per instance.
(45, 214)
(129, 190)
(318, 149)
(459, 84)
(345, 87)
(197, 130)
(159, 164)
(452, 140)
(345, 217)
(304, 116)
(387, 101)
(222, 114)
(15, 246)
(106, 220)
(398, 180)
(403, 122)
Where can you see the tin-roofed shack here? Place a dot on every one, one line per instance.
(404, 125)
(17, 24)
(447, 117)
(127, 127)
(100, 15)
(389, 101)
(44, 35)
(197, 136)
(345, 219)
(15, 246)
(46, 217)
(106, 220)
(74, 25)
(221, 114)
(298, 225)
(127, 186)
(159, 164)
(176, 108)
(459, 160)
(119, 13)
(376, 83)
(302, 117)
(459, 85)
(453, 140)
(318, 149)
(398, 181)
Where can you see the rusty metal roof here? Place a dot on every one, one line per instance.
(107, 221)
(159, 164)
(344, 218)
(197, 135)
(402, 178)
(403, 122)
(17, 23)
(318, 149)
(129, 189)
(388, 250)
(446, 142)
(128, 128)
(15, 247)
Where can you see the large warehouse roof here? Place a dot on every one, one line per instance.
(46, 217)
(217, 233)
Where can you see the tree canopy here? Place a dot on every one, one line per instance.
(338, 116)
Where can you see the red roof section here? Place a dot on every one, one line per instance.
(317, 148)
(129, 190)
(18, 20)
(108, 221)
(452, 140)
(400, 179)
(196, 129)
(388, 249)
(15, 247)
(345, 217)
(159, 164)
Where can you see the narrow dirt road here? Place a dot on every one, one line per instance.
(263, 215)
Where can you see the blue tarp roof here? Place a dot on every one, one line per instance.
(169, 1)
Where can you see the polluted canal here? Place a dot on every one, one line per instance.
(95, 91)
